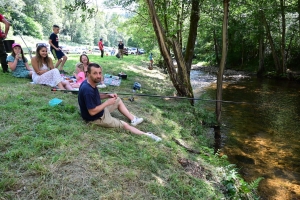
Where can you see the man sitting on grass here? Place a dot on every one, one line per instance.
(94, 111)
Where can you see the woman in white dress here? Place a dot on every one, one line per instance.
(44, 71)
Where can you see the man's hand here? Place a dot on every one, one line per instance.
(112, 95)
(111, 101)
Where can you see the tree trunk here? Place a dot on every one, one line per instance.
(261, 50)
(180, 79)
(194, 19)
(268, 32)
(223, 60)
(283, 24)
(261, 61)
(216, 47)
(299, 14)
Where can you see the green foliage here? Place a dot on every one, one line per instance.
(132, 43)
(235, 186)
(26, 26)
(88, 11)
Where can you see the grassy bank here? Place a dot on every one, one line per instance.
(50, 153)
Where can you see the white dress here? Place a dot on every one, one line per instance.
(51, 77)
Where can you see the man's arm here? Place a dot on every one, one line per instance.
(106, 96)
(7, 25)
(101, 107)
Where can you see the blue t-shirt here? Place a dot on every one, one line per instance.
(88, 98)
(54, 38)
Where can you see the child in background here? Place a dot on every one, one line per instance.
(18, 64)
(79, 74)
(84, 59)
(151, 61)
(56, 51)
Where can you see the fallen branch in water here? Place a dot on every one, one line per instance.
(181, 143)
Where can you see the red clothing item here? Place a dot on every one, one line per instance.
(100, 45)
(1, 18)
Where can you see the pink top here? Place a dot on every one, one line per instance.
(80, 77)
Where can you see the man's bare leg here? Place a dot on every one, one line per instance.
(122, 108)
(132, 129)
(138, 132)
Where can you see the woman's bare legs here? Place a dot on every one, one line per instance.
(66, 85)
(60, 86)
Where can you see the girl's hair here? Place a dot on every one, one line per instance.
(80, 59)
(80, 66)
(14, 55)
(39, 58)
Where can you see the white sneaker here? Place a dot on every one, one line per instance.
(154, 137)
(101, 86)
(136, 121)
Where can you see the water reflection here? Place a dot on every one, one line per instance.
(261, 138)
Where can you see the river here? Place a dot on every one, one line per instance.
(261, 137)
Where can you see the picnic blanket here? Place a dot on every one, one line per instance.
(112, 80)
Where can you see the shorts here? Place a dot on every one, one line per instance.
(107, 120)
(57, 54)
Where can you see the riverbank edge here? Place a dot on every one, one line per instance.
(289, 76)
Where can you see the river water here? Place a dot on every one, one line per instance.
(262, 137)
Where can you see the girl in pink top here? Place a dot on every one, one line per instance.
(79, 74)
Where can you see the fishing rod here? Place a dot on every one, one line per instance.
(20, 34)
(29, 50)
(159, 96)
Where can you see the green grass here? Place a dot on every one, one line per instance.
(50, 153)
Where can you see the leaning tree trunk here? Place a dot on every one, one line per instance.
(223, 60)
(180, 79)
(272, 45)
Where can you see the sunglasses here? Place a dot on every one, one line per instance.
(42, 45)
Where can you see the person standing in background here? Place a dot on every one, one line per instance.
(112, 53)
(56, 51)
(121, 49)
(151, 61)
(3, 35)
(101, 47)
